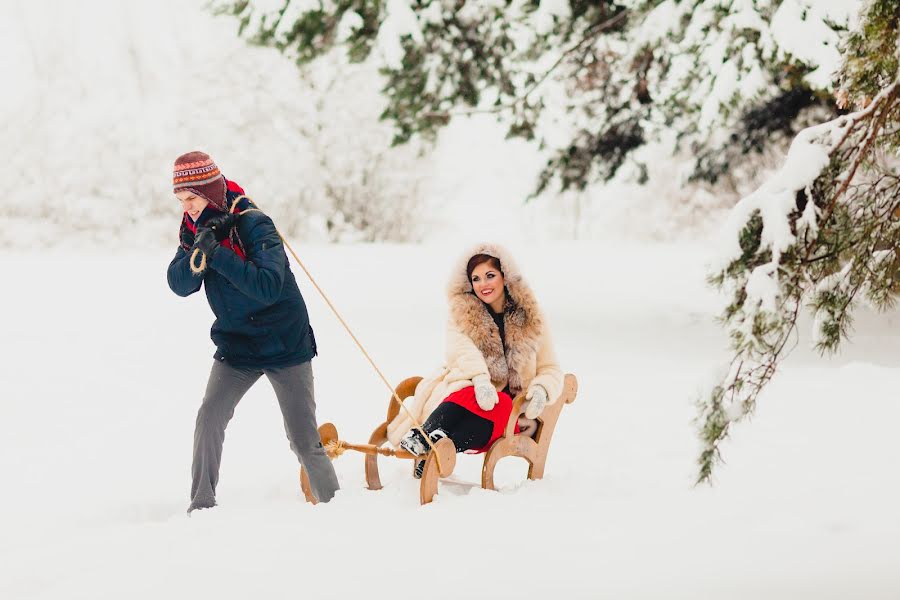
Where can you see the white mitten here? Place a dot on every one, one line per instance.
(537, 400)
(485, 392)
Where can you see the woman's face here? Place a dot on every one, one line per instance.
(487, 282)
(192, 204)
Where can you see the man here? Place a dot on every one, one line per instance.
(261, 327)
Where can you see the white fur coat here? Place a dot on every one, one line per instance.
(474, 346)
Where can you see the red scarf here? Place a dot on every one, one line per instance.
(228, 242)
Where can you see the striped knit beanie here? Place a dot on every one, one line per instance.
(196, 172)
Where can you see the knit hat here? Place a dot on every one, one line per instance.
(196, 172)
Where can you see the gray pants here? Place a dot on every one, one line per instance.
(294, 389)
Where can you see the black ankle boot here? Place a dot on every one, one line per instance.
(434, 436)
(414, 443)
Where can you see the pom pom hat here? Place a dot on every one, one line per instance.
(196, 172)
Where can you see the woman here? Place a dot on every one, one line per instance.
(498, 346)
(261, 327)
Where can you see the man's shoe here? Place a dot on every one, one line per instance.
(199, 506)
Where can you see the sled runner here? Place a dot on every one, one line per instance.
(442, 460)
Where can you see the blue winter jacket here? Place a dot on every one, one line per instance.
(261, 318)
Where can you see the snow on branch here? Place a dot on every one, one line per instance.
(822, 231)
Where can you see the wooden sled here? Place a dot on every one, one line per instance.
(442, 461)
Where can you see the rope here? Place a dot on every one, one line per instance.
(197, 269)
(334, 449)
(416, 425)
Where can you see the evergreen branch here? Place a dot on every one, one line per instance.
(850, 247)
(589, 34)
(756, 377)
(888, 96)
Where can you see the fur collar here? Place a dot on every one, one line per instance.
(522, 320)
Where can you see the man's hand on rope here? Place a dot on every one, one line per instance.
(485, 392)
(537, 400)
(221, 225)
(206, 241)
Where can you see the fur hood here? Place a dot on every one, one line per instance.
(522, 319)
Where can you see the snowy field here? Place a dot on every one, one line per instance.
(105, 368)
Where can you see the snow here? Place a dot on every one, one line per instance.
(762, 288)
(280, 129)
(547, 14)
(278, 134)
(724, 85)
(399, 21)
(776, 198)
(350, 22)
(800, 29)
(720, 63)
(105, 368)
(432, 14)
(659, 22)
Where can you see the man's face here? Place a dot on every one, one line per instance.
(192, 204)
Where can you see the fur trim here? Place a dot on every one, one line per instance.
(522, 320)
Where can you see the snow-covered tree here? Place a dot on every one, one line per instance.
(125, 89)
(720, 81)
(360, 189)
(823, 233)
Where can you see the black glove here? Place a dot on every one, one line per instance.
(221, 224)
(187, 237)
(206, 241)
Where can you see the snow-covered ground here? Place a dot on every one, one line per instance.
(104, 369)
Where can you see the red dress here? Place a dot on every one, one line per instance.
(499, 415)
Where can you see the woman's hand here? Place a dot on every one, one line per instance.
(537, 400)
(485, 392)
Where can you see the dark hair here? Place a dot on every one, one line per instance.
(479, 259)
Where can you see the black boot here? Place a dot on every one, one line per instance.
(420, 468)
(414, 443)
(435, 435)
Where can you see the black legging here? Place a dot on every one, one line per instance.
(467, 430)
